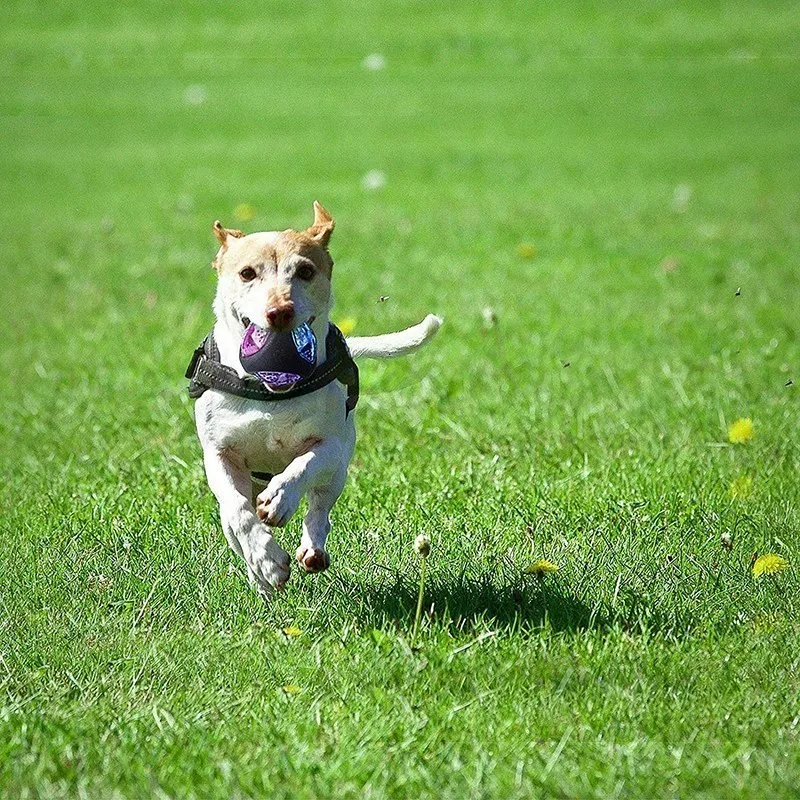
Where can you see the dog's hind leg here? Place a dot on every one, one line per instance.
(312, 555)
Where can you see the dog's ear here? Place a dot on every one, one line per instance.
(323, 225)
(222, 234)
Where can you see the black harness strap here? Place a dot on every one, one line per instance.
(206, 372)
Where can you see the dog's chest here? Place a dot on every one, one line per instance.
(268, 436)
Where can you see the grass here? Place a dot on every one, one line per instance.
(648, 155)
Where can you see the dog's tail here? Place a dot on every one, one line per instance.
(389, 345)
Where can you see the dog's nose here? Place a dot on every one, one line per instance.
(280, 317)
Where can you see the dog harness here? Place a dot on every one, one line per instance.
(205, 371)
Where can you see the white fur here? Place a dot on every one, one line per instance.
(306, 443)
(400, 343)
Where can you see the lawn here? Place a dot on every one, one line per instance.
(604, 205)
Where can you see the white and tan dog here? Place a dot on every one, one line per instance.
(281, 280)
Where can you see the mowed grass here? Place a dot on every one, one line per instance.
(621, 188)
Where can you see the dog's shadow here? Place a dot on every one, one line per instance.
(473, 604)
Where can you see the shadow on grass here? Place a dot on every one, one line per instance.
(475, 603)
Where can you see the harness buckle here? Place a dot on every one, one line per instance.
(199, 353)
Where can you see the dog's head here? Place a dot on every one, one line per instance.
(277, 279)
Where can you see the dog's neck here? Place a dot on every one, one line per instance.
(228, 333)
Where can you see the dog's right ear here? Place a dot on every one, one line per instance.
(222, 234)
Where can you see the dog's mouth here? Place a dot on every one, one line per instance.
(279, 359)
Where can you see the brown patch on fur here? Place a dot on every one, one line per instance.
(311, 243)
(322, 228)
(280, 296)
(222, 233)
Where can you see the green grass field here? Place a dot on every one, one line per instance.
(605, 181)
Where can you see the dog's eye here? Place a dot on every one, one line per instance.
(305, 272)
(247, 274)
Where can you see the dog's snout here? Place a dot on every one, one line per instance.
(281, 316)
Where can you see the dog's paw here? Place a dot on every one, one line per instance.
(312, 559)
(268, 565)
(277, 504)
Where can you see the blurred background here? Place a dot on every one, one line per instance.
(601, 201)
(580, 191)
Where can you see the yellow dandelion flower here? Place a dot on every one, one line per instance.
(541, 568)
(769, 564)
(741, 431)
(291, 688)
(244, 212)
(741, 487)
(292, 630)
(526, 250)
(346, 325)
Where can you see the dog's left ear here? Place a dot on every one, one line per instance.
(323, 225)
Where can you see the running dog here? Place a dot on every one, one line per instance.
(298, 441)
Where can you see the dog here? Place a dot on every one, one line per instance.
(281, 280)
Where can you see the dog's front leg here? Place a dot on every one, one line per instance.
(279, 501)
(267, 562)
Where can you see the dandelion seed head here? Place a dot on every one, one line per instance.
(374, 62)
(195, 95)
(681, 197)
(422, 544)
(373, 180)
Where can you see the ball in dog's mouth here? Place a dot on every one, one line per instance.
(279, 359)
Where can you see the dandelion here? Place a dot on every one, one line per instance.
(726, 540)
(769, 564)
(374, 179)
(292, 631)
(526, 251)
(374, 62)
(669, 264)
(741, 431)
(291, 688)
(541, 568)
(195, 95)
(422, 546)
(681, 197)
(741, 487)
(244, 212)
(346, 325)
